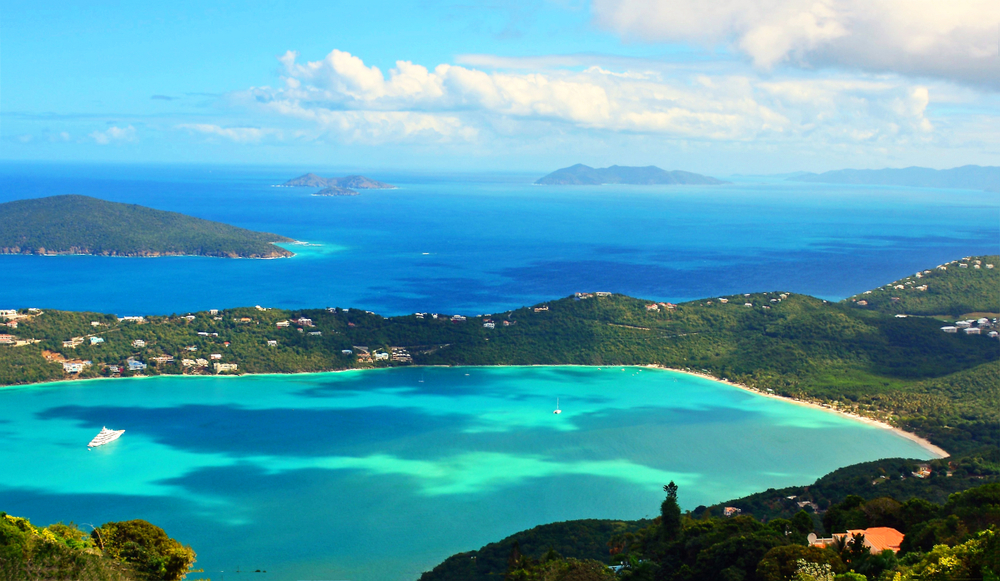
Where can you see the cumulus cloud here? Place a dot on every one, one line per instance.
(342, 96)
(114, 134)
(236, 134)
(951, 40)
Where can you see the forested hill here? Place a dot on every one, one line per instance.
(583, 175)
(967, 286)
(907, 371)
(956, 539)
(83, 225)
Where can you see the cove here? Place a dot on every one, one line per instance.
(380, 475)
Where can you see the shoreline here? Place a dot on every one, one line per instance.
(933, 449)
(924, 443)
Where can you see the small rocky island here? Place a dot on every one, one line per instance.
(345, 186)
(584, 175)
(83, 225)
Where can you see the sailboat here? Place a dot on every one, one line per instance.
(557, 410)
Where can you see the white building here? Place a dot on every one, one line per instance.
(138, 343)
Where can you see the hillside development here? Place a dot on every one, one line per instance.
(84, 225)
(901, 370)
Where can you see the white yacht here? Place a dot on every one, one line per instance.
(557, 410)
(104, 437)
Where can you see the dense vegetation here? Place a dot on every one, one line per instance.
(953, 540)
(948, 290)
(116, 551)
(902, 370)
(887, 477)
(84, 225)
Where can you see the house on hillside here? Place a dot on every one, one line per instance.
(8, 339)
(876, 539)
(731, 511)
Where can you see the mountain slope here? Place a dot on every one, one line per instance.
(84, 225)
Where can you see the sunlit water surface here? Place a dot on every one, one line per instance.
(379, 475)
(488, 243)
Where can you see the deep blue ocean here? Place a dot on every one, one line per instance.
(484, 243)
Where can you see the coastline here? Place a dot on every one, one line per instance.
(933, 449)
(922, 442)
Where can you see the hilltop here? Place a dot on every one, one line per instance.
(969, 285)
(972, 177)
(83, 225)
(582, 175)
(352, 182)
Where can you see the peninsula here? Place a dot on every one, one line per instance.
(74, 224)
(583, 175)
(854, 356)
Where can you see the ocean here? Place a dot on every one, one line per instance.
(479, 243)
(380, 475)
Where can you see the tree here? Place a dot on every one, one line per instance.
(146, 548)
(670, 513)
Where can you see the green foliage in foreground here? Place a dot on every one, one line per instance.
(902, 370)
(84, 225)
(958, 539)
(128, 551)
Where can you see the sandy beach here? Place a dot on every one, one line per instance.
(922, 442)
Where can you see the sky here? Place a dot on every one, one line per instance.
(721, 87)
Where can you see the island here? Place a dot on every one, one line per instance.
(345, 186)
(968, 177)
(74, 224)
(583, 175)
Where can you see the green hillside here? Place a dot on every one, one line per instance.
(84, 225)
(954, 540)
(970, 285)
(902, 370)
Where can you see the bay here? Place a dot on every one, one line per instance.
(477, 243)
(380, 474)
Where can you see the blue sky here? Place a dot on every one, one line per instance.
(753, 86)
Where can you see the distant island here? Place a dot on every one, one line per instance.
(74, 224)
(583, 175)
(968, 177)
(345, 186)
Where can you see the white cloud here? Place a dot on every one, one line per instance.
(237, 134)
(114, 134)
(950, 40)
(342, 96)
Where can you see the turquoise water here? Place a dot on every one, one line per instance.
(379, 475)
(488, 243)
